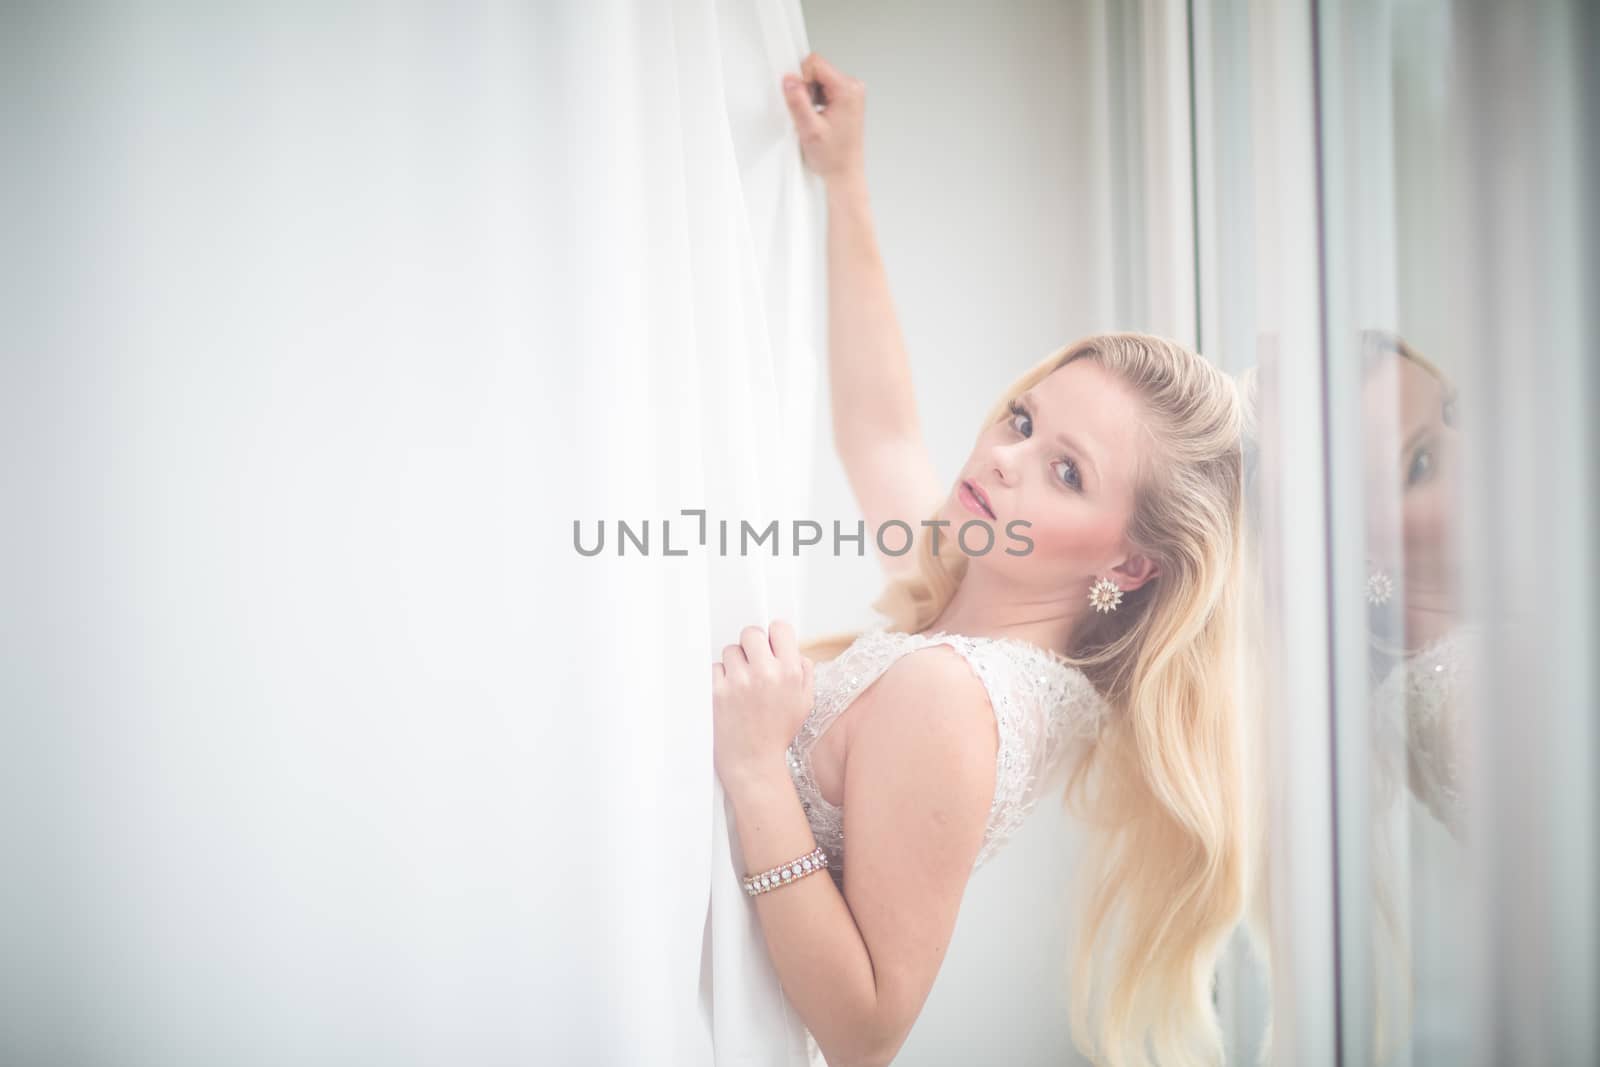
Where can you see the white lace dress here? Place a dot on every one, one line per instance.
(1420, 719)
(1041, 704)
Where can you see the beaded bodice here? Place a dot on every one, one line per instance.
(1041, 704)
(1419, 722)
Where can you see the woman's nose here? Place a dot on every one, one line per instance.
(1004, 464)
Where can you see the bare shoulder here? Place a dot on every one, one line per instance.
(919, 781)
(931, 691)
(927, 734)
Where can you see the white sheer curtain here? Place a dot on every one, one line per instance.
(697, 260)
(319, 741)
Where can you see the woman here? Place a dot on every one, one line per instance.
(1419, 654)
(1097, 639)
(1421, 657)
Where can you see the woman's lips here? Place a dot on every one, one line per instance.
(973, 500)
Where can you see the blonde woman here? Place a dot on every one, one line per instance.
(1422, 654)
(1081, 629)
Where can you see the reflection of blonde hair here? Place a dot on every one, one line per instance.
(1375, 344)
(1165, 879)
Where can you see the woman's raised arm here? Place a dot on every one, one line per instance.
(875, 426)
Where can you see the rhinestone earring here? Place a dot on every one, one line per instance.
(1380, 587)
(1104, 595)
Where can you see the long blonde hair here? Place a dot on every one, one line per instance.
(1164, 881)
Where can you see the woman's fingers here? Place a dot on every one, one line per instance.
(807, 122)
(830, 141)
(753, 639)
(784, 645)
(817, 69)
(781, 636)
(775, 649)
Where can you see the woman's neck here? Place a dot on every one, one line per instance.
(970, 612)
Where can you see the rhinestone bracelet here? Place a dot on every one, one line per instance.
(783, 874)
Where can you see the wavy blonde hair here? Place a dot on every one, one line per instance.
(1164, 881)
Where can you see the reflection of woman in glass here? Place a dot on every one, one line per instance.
(1104, 653)
(1417, 642)
(1418, 648)
(1413, 584)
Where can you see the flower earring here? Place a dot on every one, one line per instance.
(1380, 587)
(1104, 595)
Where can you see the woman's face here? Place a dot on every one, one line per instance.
(1063, 462)
(1413, 468)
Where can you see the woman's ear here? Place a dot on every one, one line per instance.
(1134, 571)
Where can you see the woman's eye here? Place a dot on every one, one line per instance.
(1421, 467)
(1075, 479)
